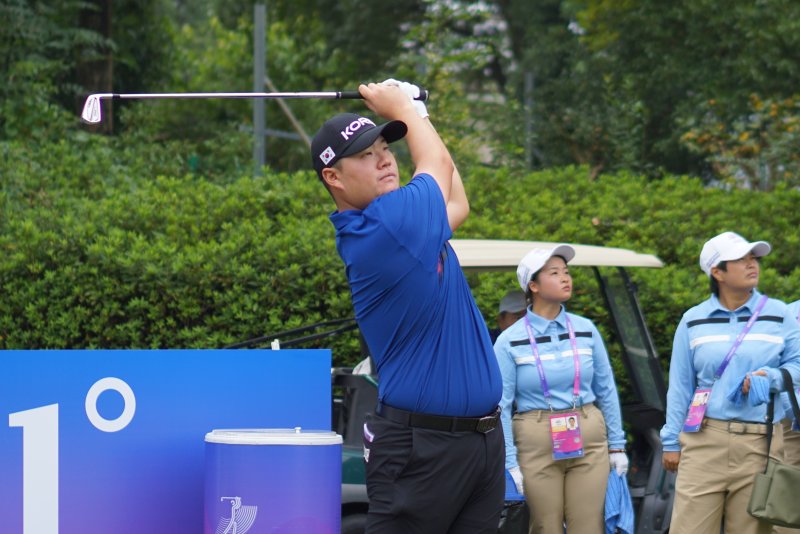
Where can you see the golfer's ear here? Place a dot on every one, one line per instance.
(331, 177)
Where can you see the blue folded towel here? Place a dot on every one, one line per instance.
(758, 394)
(759, 390)
(618, 507)
(511, 489)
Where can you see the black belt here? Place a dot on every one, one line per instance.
(440, 422)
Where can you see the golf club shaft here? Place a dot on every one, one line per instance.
(321, 94)
(92, 108)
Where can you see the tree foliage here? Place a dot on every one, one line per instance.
(613, 85)
(757, 150)
(674, 56)
(35, 37)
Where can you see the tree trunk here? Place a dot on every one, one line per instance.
(95, 70)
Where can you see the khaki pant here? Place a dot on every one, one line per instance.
(570, 490)
(791, 455)
(791, 444)
(715, 477)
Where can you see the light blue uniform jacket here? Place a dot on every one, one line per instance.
(521, 383)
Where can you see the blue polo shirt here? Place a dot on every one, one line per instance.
(427, 337)
(523, 387)
(703, 338)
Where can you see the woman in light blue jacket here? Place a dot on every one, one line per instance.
(566, 433)
(725, 360)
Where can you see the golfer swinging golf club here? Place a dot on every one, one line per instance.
(434, 446)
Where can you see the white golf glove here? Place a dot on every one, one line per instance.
(516, 474)
(619, 462)
(412, 91)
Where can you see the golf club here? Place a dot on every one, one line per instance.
(92, 108)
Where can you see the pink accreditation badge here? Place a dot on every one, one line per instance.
(565, 432)
(697, 410)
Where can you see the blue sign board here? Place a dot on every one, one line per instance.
(113, 440)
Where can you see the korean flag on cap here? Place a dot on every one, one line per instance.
(327, 155)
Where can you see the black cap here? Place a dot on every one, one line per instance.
(347, 134)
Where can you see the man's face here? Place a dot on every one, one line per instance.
(506, 319)
(359, 179)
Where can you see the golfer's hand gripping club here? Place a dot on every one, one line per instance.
(421, 97)
(413, 92)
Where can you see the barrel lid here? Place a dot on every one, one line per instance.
(273, 436)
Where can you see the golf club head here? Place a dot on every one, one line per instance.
(92, 110)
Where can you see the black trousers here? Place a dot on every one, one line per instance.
(433, 482)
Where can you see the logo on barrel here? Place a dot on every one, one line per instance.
(241, 519)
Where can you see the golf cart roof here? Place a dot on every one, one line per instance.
(505, 255)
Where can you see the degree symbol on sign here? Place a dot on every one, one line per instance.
(101, 386)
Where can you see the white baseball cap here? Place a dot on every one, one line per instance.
(535, 260)
(729, 246)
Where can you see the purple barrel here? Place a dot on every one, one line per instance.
(273, 481)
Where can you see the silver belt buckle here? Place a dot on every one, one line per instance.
(487, 424)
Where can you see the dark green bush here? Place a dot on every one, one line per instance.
(165, 261)
(108, 246)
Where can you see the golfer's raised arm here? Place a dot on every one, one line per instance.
(428, 152)
(458, 205)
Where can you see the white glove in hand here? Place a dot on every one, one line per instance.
(412, 91)
(619, 462)
(516, 474)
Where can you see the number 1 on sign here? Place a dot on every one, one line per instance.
(39, 468)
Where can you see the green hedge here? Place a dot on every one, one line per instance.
(108, 259)
(107, 247)
(671, 218)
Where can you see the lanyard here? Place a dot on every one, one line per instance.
(740, 337)
(576, 384)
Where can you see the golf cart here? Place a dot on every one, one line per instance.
(355, 394)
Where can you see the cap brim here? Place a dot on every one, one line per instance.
(565, 251)
(512, 309)
(391, 131)
(761, 248)
(514, 304)
(757, 248)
